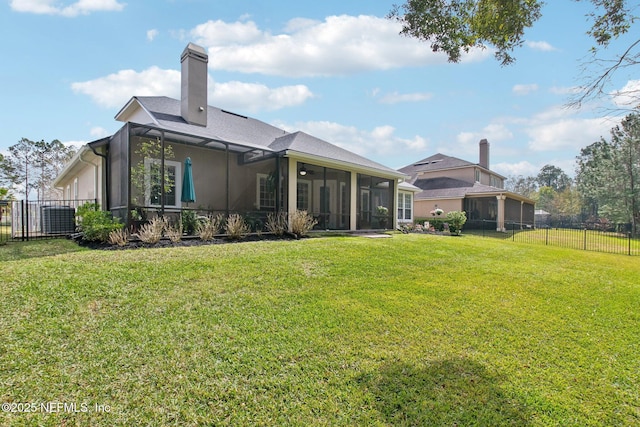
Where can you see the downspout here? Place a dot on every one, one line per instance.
(95, 174)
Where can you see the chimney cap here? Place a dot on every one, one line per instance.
(193, 50)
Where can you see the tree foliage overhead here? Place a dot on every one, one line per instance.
(457, 26)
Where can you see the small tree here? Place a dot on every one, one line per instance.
(456, 220)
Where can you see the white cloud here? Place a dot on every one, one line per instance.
(466, 145)
(152, 34)
(114, 90)
(380, 141)
(98, 132)
(52, 7)
(522, 89)
(338, 45)
(523, 168)
(220, 33)
(628, 96)
(559, 128)
(395, 97)
(257, 97)
(74, 144)
(540, 45)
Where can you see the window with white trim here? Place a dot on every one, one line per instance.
(303, 195)
(266, 192)
(405, 206)
(153, 183)
(75, 189)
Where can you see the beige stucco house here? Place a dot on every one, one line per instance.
(239, 165)
(453, 184)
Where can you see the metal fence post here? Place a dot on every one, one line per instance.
(546, 239)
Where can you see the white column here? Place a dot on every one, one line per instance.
(501, 198)
(292, 194)
(353, 223)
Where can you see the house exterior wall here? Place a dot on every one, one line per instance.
(423, 208)
(85, 181)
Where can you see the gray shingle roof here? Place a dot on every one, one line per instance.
(436, 162)
(234, 128)
(221, 125)
(304, 143)
(451, 188)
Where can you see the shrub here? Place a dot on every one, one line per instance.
(189, 222)
(456, 220)
(236, 228)
(277, 223)
(152, 231)
(301, 222)
(174, 233)
(96, 224)
(209, 227)
(118, 237)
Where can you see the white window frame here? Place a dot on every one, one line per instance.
(402, 206)
(147, 181)
(259, 178)
(75, 189)
(306, 183)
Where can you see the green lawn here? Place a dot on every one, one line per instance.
(412, 330)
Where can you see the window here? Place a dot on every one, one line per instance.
(303, 202)
(496, 182)
(477, 175)
(75, 189)
(404, 206)
(153, 183)
(266, 196)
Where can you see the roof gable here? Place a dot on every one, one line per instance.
(436, 162)
(304, 143)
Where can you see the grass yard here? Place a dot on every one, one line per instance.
(412, 330)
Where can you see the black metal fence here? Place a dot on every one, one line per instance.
(42, 219)
(615, 238)
(5, 221)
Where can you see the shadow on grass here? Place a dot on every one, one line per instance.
(12, 251)
(447, 392)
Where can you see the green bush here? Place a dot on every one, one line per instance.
(456, 220)
(189, 222)
(96, 224)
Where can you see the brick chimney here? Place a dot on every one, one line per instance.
(484, 153)
(194, 85)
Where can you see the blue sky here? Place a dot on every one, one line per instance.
(335, 69)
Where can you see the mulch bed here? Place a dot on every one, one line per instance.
(166, 243)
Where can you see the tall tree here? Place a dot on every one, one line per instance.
(609, 173)
(554, 177)
(456, 26)
(523, 185)
(34, 165)
(19, 166)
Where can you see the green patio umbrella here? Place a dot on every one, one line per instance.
(188, 192)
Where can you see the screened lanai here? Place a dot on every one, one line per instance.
(239, 178)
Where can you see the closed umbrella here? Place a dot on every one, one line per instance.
(188, 192)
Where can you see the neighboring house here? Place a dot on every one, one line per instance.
(239, 165)
(453, 184)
